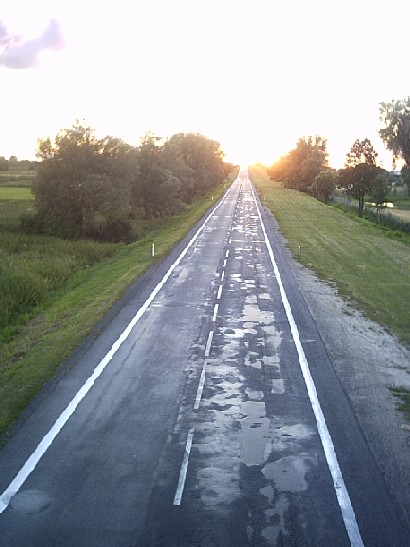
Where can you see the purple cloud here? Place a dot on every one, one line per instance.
(24, 54)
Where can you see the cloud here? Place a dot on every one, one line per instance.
(4, 35)
(18, 53)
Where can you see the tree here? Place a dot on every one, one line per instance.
(379, 191)
(405, 175)
(360, 171)
(396, 131)
(204, 157)
(361, 152)
(13, 163)
(82, 188)
(324, 185)
(299, 167)
(157, 186)
(4, 164)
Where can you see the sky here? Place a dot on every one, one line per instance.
(253, 75)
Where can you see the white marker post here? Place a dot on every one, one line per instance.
(153, 250)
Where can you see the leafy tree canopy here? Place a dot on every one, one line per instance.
(360, 171)
(299, 167)
(395, 117)
(324, 184)
(82, 186)
(91, 187)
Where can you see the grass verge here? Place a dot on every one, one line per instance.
(31, 358)
(11, 192)
(403, 395)
(367, 267)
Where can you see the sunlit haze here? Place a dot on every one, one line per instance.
(254, 76)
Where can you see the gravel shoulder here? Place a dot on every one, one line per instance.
(368, 362)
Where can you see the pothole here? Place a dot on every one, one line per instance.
(30, 501)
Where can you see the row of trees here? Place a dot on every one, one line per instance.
(299, 168)
(14, 164)
(91, 187)
(306, 168)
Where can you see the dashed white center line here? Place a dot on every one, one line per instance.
(218, 296)
(184, 469)
(200, 389)
(209, 343)
(216, 308)
(227, 254)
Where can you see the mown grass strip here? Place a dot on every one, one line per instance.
(367, 267)
(15, 193)
(32, 357)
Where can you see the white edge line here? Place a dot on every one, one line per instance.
(48, 439)
(200, 389)
(342, 494)
(184, 469)
(208, 343)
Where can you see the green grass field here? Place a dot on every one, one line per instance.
(359, 258)
(63, 289)
(15, 193)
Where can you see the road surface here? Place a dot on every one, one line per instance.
(207, 413)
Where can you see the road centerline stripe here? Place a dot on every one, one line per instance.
(216, 308)
(200, 389)
(209, 343)
(218, 296)
(184, 469)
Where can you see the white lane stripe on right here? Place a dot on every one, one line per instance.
(49, 437)
(349, 517)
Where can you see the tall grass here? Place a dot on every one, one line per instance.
(79, 283)
(32, 268)
(17, 178)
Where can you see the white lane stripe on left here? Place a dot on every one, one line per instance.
(48, 439)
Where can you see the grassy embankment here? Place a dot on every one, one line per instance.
(357, 257)
(56, 291)
(362, 260)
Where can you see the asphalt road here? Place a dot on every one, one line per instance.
(206, 413)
